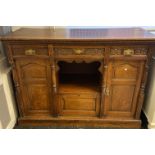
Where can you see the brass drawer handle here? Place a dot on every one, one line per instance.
(30, 52)
(78, 51)
(128, 52)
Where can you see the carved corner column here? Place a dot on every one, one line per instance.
(103, 88)
(54, 82)
(142, 92)
(16, 84)
(103, 70)
(143, 85)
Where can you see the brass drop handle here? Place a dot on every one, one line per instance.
(128, 52)
(30, 52)
(78, 51)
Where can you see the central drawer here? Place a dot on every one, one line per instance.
(78, 51)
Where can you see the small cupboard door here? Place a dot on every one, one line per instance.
(35, 86)
(123, 84)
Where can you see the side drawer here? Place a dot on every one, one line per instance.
(28, 50)
(128, 50)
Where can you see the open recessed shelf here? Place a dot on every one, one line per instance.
(79, 77)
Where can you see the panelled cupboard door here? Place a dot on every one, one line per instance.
(35, 85)
(123, 84)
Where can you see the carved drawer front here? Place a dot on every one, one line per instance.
(128, 51)
(79, 104)
(77, 51)
(29, 50)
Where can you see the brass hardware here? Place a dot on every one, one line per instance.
(106, 91)
(78, 51)
(128, 52)
(30, 52)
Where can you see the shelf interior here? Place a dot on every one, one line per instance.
(79, 77)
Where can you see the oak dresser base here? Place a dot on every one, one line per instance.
(78, 123)
(80, 78)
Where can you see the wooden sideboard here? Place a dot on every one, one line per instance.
(87, 78)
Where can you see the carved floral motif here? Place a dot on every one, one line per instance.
(116, 51)
(140, 51)
(84, 51)
(120, 51)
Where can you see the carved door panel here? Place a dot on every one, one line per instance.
(123, 85)
(35, 86)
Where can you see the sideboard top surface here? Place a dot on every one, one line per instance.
(76, 34)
